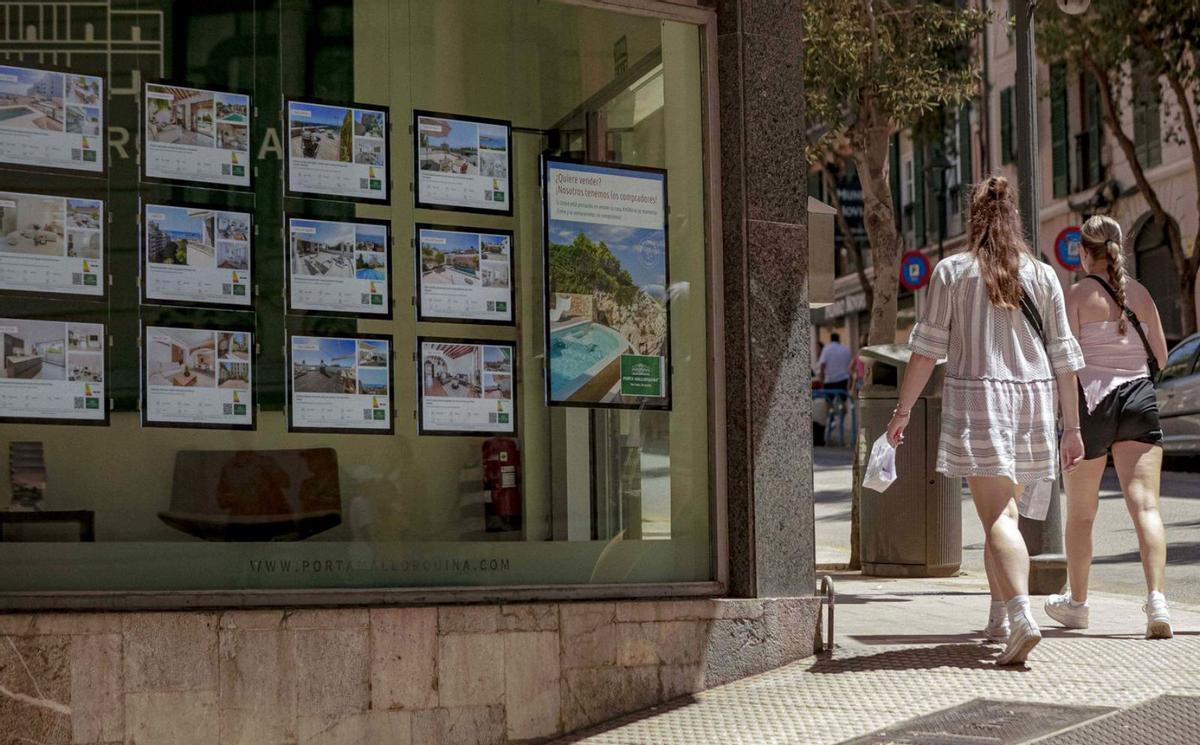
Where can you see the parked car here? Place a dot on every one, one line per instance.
(1179, 398)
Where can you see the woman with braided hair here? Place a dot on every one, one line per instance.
(1119, 330)
(997, 316)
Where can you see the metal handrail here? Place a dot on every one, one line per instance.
(830, 600)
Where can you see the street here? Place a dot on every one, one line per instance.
(1116, 567)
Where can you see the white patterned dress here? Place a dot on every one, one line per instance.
(998, 403)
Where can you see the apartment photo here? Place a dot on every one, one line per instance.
(322, 249)
(183, 358)
(33, 350)
(452, 370)
(85, 368)
(179, 116)
(31, 224)
(235, 375)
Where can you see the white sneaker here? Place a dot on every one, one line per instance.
(1023, 636)
(1061, 609)
(1158, 618)
(997, 625)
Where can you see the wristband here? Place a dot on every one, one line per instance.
(897, 412)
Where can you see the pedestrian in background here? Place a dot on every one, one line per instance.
(1118, 413)
(998, 317)
(834, 364)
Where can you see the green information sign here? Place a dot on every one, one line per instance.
(641, 375)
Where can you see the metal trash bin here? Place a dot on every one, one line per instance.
(914, 529)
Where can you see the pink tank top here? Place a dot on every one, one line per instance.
(1111, 360)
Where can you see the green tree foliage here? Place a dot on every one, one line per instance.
(346, 138)
(584, 266)
(872, 67)
(1161, 39)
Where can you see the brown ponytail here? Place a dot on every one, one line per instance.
(996, 239)
(1102, 239)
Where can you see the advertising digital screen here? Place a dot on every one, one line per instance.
(340, 268)
(197, 255)
(51, 244)
(462, 163)
(198, 378)
(466, 387)
(337, 151)
(53, 371)
(193, 134)
(340, 384)
(464, 274)
(607, 317)
(51, 119)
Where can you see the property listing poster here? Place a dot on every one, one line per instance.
(52, 119)
(606, 302)
(198, 377)
(341, 384)
(339, 267)
(467, 386)
(51, 244)
(463, 163)
(464, 274)
(337, 151)
(197, 255)
(199, 135)
(53, 370)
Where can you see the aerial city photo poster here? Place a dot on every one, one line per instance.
(196, 135)
(52, 244)
(53, 372)
(464, 274)
(340, 384)
(462, 163)
(198, 377)
(337, 151)
(466, 387)
(197, 255)
(52, 119)
(339, 267)
(607, 318)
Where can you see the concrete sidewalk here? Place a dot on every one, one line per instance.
(907, 648)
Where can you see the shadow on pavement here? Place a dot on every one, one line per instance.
(1177, 553)
(615, 724)
(969, 656)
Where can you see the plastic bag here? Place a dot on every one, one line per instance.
(881, 468)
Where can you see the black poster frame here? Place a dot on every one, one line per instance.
(287, 151)
(194, 183)
(390, 301)
(105, 402)
(105, 279)
(389, 338)
(143, 257)
(418, 362)
(423, 317)
(421, 204)
(102, 174)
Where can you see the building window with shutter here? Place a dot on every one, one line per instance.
(1147, 131)
(1090, 137)
(1008, 120)
(1060, 131)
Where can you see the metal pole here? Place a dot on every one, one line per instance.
(1047, 572)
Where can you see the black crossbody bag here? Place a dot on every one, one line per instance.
(1035, 319)
(1151, 360)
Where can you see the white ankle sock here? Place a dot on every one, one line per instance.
(1018, 608)
(1156, 594)
(1076, 603)
(997, 610)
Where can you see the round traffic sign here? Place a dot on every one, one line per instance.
(914, 270)
(1066, 248)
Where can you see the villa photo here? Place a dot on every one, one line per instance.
(83, 244)
(373, 381)
(31, 99)
(31, 224)
(85, 368)
(317, 132)
(84, 214)
(370, 265)
(182, 358)
(180, 235)
(232, 226)
(449, 257)
(497, 386)
(494, 246)
(369, 152)
(179, 116)
(495, 274)
(233, 344)
(83, 90)
(233, 255)
(368, 124)
(235, 375)
(233, 108)
(322, 249)
(451, 370)
(448, 146)
(497, 359)
(33, 350)
(323, 365)
(372, 353)
(233, 137)
(83, 120)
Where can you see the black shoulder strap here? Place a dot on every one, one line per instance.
(1151, 360)
(1031, 314)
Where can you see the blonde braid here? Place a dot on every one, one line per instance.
(1117, 277)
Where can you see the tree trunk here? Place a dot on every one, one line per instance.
(1187, 280)
(870, 143)
(848, 237)
(1169, 226)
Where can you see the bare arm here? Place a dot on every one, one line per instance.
(1154, 329)
(920, 367)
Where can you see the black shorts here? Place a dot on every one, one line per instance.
(1128, 413)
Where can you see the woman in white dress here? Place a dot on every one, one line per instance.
(998, 403)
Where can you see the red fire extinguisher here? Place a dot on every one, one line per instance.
(502, 482)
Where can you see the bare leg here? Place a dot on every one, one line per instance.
(1139, 467)
(997, 511)
(989, 566)
(1083, 499)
